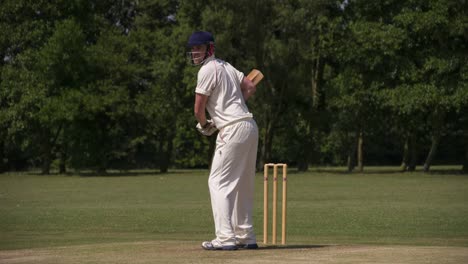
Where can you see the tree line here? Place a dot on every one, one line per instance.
(106, 85)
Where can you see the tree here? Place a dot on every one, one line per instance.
(366, 60)
(104, 85)
(435, 48)
(24, 25)
(39, 82)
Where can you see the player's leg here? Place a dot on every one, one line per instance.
(223, 189)
(243, 211)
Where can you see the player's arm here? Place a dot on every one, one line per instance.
(199, 108)
(248, 88)
(205, 127)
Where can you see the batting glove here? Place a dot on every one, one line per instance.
(208, 129)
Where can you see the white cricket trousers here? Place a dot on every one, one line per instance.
(231, 182)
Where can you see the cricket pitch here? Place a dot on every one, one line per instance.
(191, 252)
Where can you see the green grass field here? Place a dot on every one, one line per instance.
(325, 207)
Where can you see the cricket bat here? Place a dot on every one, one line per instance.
(255, 76)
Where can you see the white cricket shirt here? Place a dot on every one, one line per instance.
(220, 81)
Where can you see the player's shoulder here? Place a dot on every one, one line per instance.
(205, 70)
(207, 65)
(210, 67)
(231, 68)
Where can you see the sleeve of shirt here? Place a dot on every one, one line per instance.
(206, 81)
(240, 76)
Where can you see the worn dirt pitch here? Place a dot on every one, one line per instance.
(190, 252)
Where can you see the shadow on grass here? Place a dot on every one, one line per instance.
(276, 247)
(344, 171)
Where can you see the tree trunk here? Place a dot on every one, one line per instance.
(265, 151)
(405, 159)
(102, 163)
(164, 162)
(409, 159)
(318, 67)
(302, 165)
(351, 163)
(437, 120)
(165, 149)
(46, 161)
(315, 83)
(46, 152)
(465, 162)
(63, 160)
(413, 159)
(3, 163)
(306, 151)
(360, 152)
(432, 153)
(101, 170)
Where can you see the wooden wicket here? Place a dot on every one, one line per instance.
(275, 202)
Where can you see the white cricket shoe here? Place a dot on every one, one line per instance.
(216, 245)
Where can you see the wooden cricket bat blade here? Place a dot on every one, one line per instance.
(255, 76)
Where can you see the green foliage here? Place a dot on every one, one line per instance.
(106, 85)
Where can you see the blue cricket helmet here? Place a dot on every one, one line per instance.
(200, 38)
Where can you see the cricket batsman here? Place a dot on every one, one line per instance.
(222, 90)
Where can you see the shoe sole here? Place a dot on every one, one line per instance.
(220, 248)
